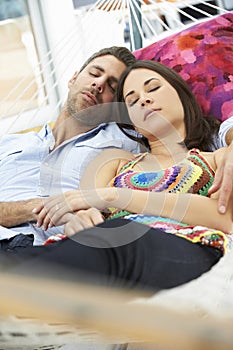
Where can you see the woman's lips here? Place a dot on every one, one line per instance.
(149, 112)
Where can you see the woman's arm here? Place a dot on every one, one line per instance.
(103, 168)
(189, 208)
(192, 209)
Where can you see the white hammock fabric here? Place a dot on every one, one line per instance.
(210, 295)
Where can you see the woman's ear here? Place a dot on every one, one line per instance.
(71, 81)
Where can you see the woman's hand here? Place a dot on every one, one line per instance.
(81, 220)
(52, 211)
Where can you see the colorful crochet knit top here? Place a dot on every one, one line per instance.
(193, 175)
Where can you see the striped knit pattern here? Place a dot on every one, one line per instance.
(193, 175)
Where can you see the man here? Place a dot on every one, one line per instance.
(85, 91)
(35, 165)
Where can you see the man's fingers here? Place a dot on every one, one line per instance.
(37, 210)
(47, 223)
(97, 217)
(72, 227)
(225, 189)
(77, 223)
(41, 216)
(223, 183)
(217, 181)
(86, 217)
(83, 219)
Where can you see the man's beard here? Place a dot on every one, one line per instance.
(86, 114)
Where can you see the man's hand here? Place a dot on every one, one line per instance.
(81, 220)
(223, 181)
(53, 210)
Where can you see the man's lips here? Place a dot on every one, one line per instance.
(90, 97)
(149, 112)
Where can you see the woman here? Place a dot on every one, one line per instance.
(145, 190)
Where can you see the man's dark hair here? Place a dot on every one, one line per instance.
(120, 52)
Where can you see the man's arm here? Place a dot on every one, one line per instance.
(17, 213)
(229, 135)
(223, 180)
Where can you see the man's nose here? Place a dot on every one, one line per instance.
(98, 85)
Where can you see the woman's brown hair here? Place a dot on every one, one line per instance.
(201, 131)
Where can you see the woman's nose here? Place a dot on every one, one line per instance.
(145, 101)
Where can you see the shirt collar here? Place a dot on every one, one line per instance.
(45, 131)
(91, 133)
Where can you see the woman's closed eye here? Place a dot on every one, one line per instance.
(131, 102)
(152, 85)
(153, 88)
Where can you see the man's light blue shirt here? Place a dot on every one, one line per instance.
(224, 127)
(29, 169)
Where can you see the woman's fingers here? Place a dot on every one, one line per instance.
(55, 214)
(54, 208)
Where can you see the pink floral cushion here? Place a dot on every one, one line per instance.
(203, 56)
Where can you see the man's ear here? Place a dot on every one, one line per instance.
(71, 81)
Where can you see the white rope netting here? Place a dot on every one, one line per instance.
(133, 23)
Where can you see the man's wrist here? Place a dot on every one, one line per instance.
(229, 136)
(27, 208)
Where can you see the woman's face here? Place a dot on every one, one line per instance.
(153, 105)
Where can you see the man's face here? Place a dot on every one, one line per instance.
(94, 85)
